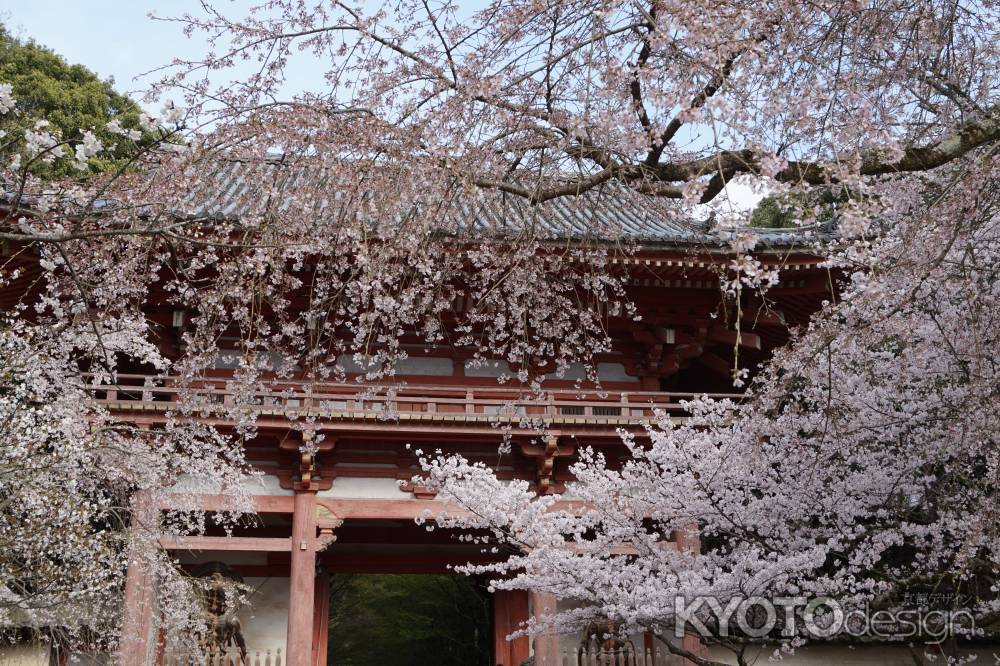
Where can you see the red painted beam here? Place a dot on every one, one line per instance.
(247, 544)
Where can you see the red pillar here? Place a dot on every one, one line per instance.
(302, 581)
(137, 613)
(546, 645)
(510, 610)
(689, 540)
(321, 624)
(692, 643)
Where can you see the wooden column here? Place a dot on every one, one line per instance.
(302, 581)
(692, 643)
(321, 623)
(510, 610)
(137, 614)
(546, 645)
(689, 540)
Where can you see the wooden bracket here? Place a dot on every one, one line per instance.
(306, 475)
(545, 457)
(419, 491)
(725, 336)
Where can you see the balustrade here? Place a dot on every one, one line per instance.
(412, 402)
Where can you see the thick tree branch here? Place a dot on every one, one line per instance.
(635, 86)
(662, 180)
(687, 654)
(676, 123)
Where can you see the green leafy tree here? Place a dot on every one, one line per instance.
(409, 620)
(780, 211)
(70, 98)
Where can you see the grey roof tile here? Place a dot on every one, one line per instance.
(610, 213)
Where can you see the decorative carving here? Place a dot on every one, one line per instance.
(327, 518)
(604, 636)
(325, 538)
(326, 521)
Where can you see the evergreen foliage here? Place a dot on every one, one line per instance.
(780, 211)
(71, 98)
(409, 620)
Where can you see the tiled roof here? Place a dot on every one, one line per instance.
(608, 213)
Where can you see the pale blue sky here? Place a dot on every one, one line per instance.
(116, 38)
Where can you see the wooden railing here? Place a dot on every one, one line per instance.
(626, 656)
(582, 657)
(425, 403)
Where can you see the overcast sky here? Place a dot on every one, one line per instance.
(117, 39)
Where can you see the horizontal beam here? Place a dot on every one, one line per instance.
(386, 509)
(603, 427)
(728, 337)
(349, 508)
(205, 502)
(249, 544)
(400, 563)
(344, 509)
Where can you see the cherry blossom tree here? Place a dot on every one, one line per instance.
(550, 99)
(79, 486)
(861, 465)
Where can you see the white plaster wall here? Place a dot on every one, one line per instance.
(229, 557)
(266, 484)
(607, 372)
(614, 372)
(24, 655)
(364, 488)
(438, 366)
(431, 365)
(265, 622)
(228, 359)
(487, 369)
(574, 371)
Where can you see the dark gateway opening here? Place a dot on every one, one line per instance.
(409, 620)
